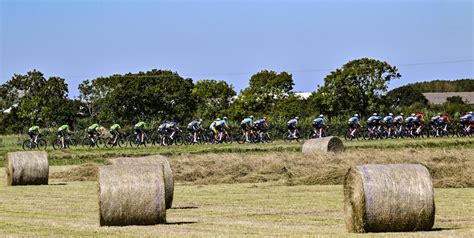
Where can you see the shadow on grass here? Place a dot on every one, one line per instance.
(56, 184)
(185, 207)
(444, 229)
(181, 223)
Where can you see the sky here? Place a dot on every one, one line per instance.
(232, 40)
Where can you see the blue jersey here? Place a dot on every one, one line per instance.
(221, 123)
(246, 121)
(373, 119)
(435, 118)
(467, 117)
(318, 121)
(388, 119)
(398, 119)
(410, 119)
(292, 122)
(353, 120)
(260, 122)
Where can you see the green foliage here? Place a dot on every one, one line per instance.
(213, 98)
(265, 90)
(440, 86)
(357, 87)
(455, 100)
(129, 98)
(405, 96)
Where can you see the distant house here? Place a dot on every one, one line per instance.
(440, 98)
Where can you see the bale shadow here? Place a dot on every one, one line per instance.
(56, 184)
(185, 207)
(444, 229)
(181, 223)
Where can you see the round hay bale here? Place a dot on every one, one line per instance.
(27, 168)
(325, 144)
(153, 160)
(131, 195)
(388, 198)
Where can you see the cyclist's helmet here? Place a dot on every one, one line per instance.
(218, 119)
(390, 114)
(439, 114)
(356, 115)
(413, 114)
(225, 118)
(251, 117)
(297, 118)
(375, 114)
(401, 114)
(321, 116)
(469, 113)
(265, 118)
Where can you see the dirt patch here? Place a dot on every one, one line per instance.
(84, 172)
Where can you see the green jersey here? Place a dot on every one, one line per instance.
(63, 128)
(140, 125)
(94, 126)
(115, 127)
(34, 129)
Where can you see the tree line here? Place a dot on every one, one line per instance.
(359, 86)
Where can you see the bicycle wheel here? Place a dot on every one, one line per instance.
(267, 137)
(100, 143)
(57, 144)
(27, 145)
(108, 142)
(87, 143)
(71, 143)
(42, 145)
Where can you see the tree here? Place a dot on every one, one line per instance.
(152, 95)
(455, 100)
(405, 96)
(265, 90)
(357, 87)
(34, 99)
(213, 98)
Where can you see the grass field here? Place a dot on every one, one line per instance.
(241, 190)
(259, 209)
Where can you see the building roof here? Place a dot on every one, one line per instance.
(440, 98)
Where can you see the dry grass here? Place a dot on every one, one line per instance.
(84, 172)
(265, 209)
(449, 168)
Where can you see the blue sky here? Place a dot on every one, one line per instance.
(231, 40)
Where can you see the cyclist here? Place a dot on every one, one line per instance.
(213, 129)
(246, 125)
(410, 122)
(398, 122)
(139, 127)
(353, 123)
(193, 128)
(319, 125)
(33, 132)
(291, 125)
(260, 126)
(115, 131)
(467, 121)
(419, 119)
(171, 128)
(434, 120)
(373, 122)
(62, 132)
(220, 127)
(388, 122)
(443, 123)
(93, 130)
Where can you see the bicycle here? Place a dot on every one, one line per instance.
(30, 144)
(352, 134)
(315, 133)
(292, 136)
(68, 142)
(136, 139)
(95, 141)
(115, 141)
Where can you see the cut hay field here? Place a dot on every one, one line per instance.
(259, 209)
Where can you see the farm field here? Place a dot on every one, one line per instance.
(241, 190)
(247, 209)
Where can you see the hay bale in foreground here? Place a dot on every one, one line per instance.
(131, 195)
(27, 168)
(388, 198)
(325, 144)
(152, 160)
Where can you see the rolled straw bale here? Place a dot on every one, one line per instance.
(153, 160)
(27, 168)
(131, 195)
(325, 144)
(388, 198)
